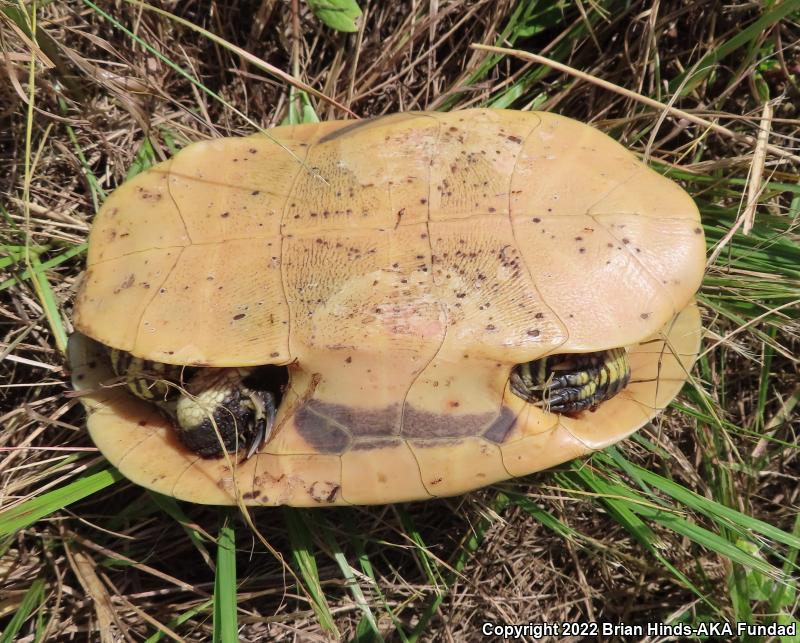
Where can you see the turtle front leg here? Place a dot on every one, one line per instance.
(573, 382)
(213, 412)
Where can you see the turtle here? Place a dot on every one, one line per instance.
(391, 309)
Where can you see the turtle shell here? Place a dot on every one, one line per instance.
(400, 267)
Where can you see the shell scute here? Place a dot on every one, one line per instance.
(449, 466)
(221, 304)
(592, 282)
(142, 217)
(566, 167)
(233, 189)
(472, 169)
(115, 294)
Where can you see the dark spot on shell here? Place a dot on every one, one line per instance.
(323, 492)
(645, 315)
(626, 241)
(582, 250)
(239, 316)
(142, 423)
(129, 280)
(274, 354)
(514, 139)
(533, 332)
(697, 231)
(225, 215)
(255, 192)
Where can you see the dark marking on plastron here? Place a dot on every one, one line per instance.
(501, 427)
(425, 425)
(320, 432)
(360, 422)
(364, 444)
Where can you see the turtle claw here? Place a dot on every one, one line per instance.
(258, 439)
(264, 404)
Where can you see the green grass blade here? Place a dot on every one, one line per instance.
(180, 620)
(707, 63)
(785, 594)
(708, 539)
(620, 506)
(364, 562)
(98, 194)
(427, 561)
(323, 529)
(225, 619)
(145, 159)
(19, 517)
(627, 501)
(468, 548)
(46, 265)
(623, 511)
(48, 301)
(302, 553)
(711, 508)
(33, 599)
(172, 508)
(542, 516)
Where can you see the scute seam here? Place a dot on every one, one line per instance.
(153, 296)
(564, 327)
(638, 261)
(175, 202)
(442, 307)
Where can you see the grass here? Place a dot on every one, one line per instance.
(693, 519)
